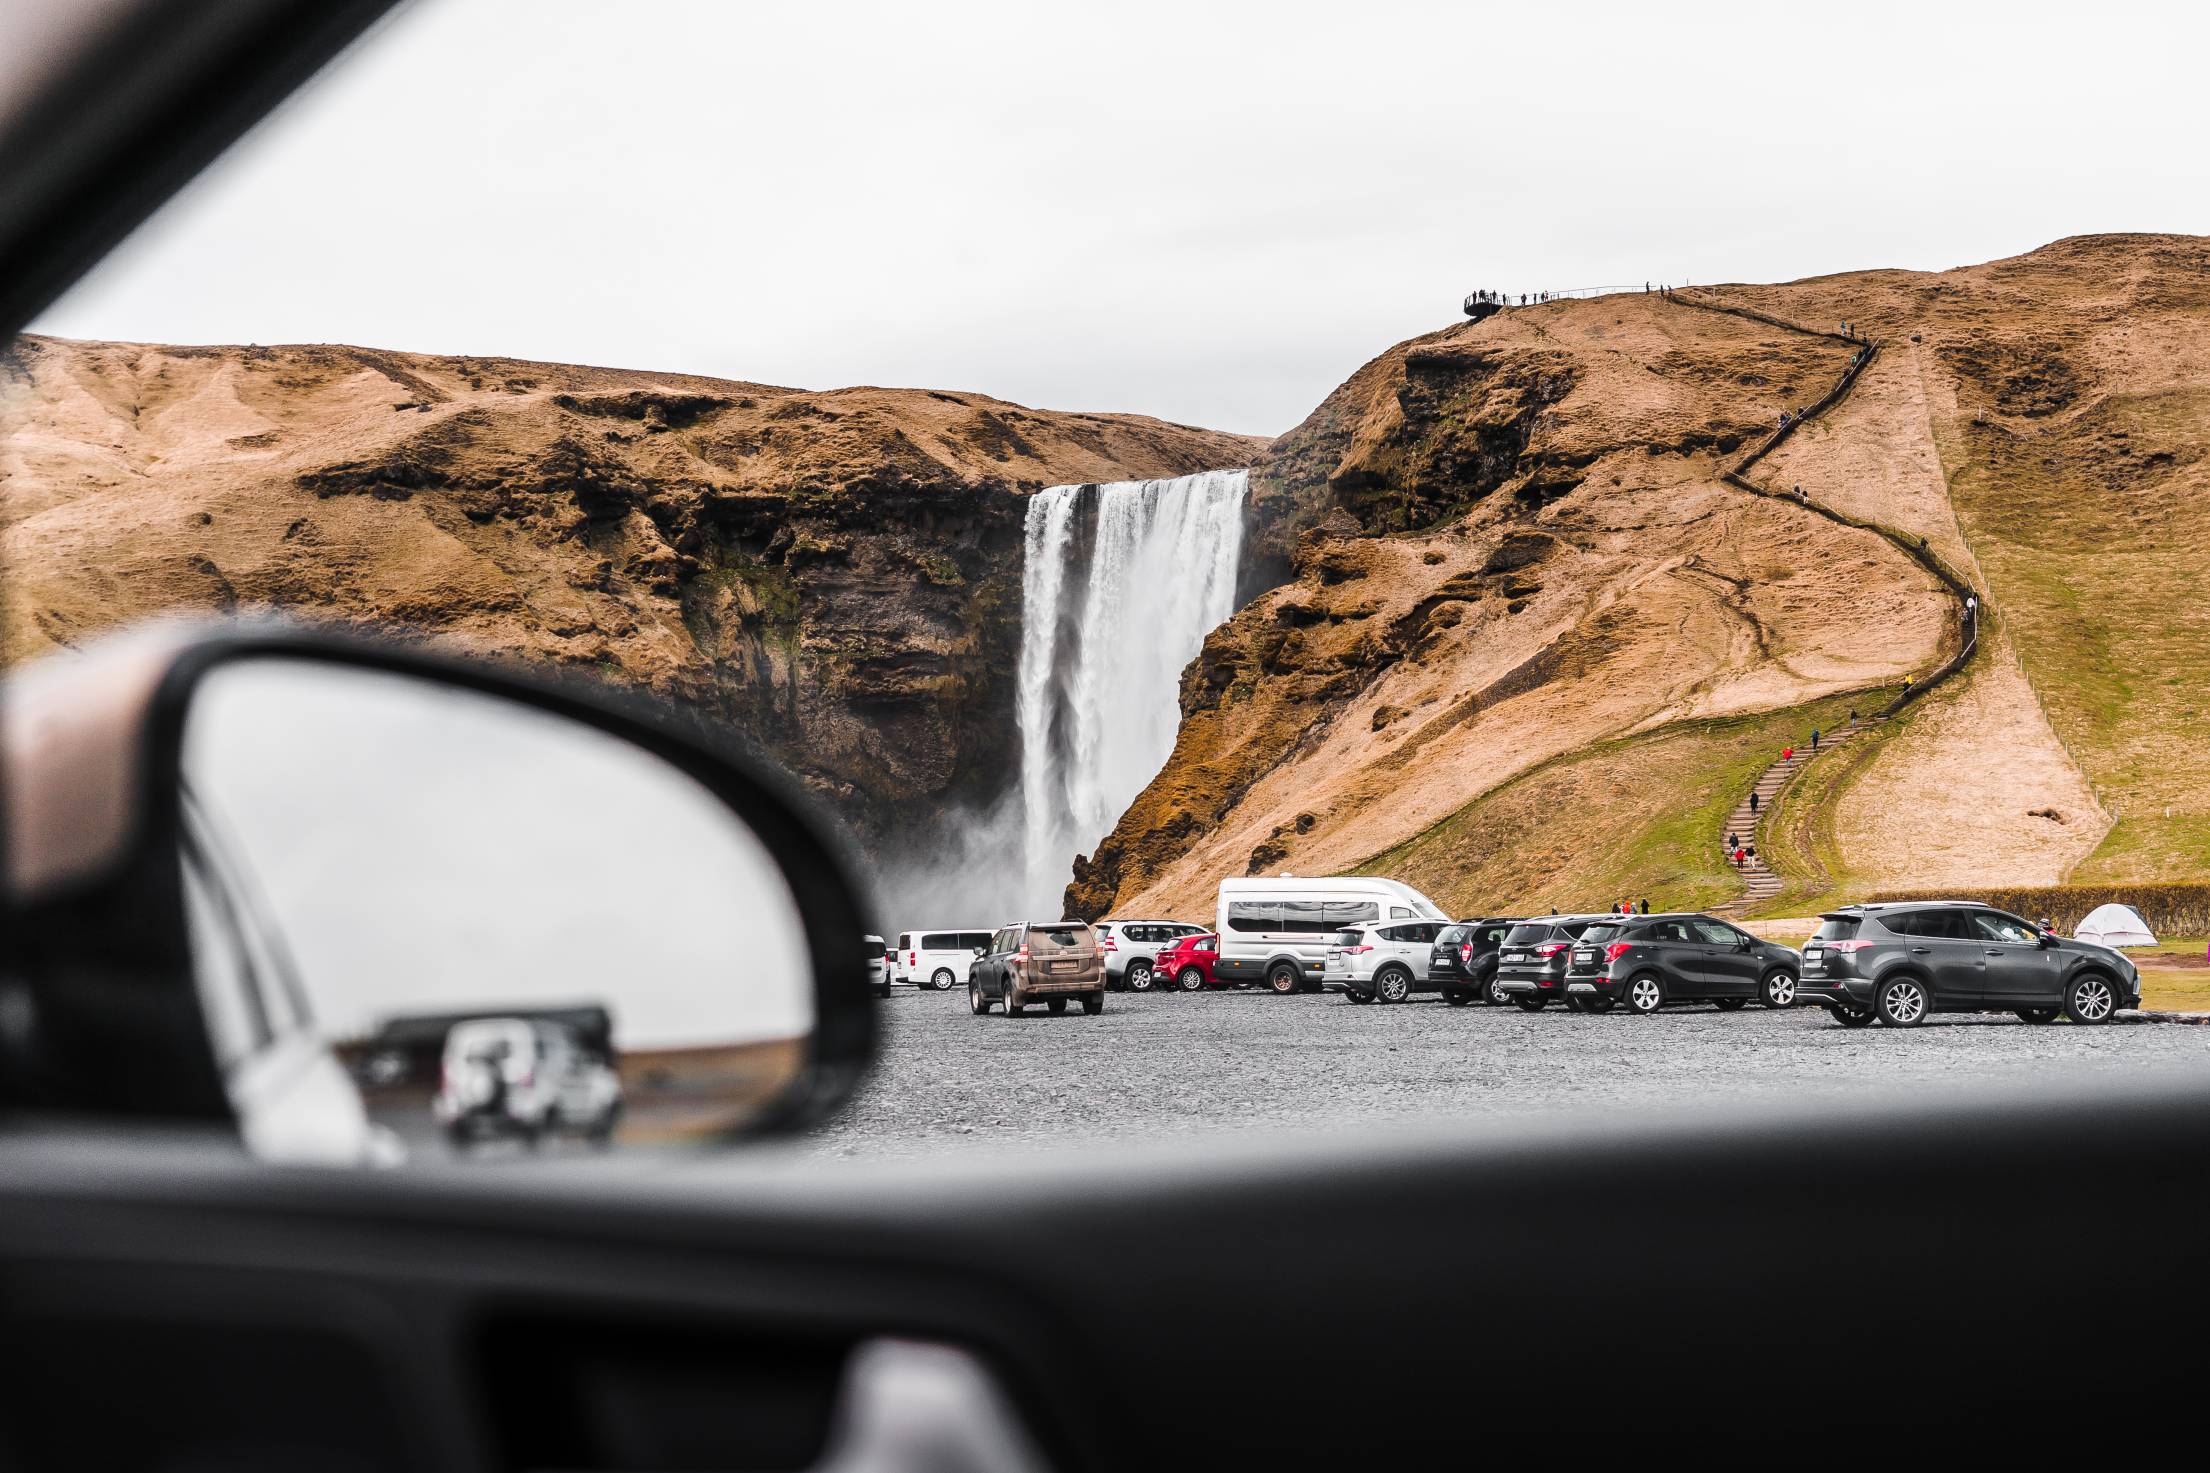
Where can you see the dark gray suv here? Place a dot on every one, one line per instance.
(1649, 961)
(1901, 962)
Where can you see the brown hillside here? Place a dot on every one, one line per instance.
(1507, 548)
(833, 573)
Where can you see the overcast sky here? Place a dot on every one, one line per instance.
(1210, 213)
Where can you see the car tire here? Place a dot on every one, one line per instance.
(943, 979)
(1851, 1017)
(1902, 1002)
(1598, 1003)
(1778, 990)
(2038, 1015)
(1534, 1004)
(1012, 1003)
(1645, 993)
(1057, 1005)
(1138, 977)
(1093, 1003)
(1457, 997)
(1282, 980)
(1733, 1004)
(1491, 996)
(2090, 997)
(1393, 984)
(976, 1002)
(1190, 980)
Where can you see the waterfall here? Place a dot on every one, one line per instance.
(1122, 583)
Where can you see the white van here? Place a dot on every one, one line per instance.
(938, 959)
(1278, 930)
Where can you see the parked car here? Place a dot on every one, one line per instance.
(878, 964)
(1463, 962)
(1530, 960)
(1038, 961)
(1187, 965)
(1901, 962)
(936, 959)
(1131, 949)
(524, 1078)
(1649, 961)
(1280, 929)
(1388, 962)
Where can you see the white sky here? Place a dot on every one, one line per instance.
(1213, 213)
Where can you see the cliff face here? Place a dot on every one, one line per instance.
(835, 576)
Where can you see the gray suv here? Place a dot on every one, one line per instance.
(1131, 950)
(1900, 962)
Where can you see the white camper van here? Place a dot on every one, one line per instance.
(1277, 930)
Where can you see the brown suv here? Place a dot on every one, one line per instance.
(1038, 961)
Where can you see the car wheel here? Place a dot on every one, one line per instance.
(1901, 1002)
(943, 979)
(1393, 985)
(1457, 998)
(1531, 1004)
(1093, 1003)
(976, 1002)
(1733, 1004)
(2038, 1015)
(1494, 998)
(1057, 1004)
(1190, 980)
(1282, 979)
(1138, 977)
(1645, 994)
(1850, 1017)
(2090, 998)
(1014, 1007)
(1598, 1003)
(1778, 990)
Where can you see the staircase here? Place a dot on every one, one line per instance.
(1759, 881)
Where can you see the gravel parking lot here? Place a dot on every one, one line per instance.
(1167, 1064)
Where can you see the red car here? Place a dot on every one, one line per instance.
(1187, 964)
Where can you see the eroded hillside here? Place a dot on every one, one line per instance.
(1531, 647)
(833, 575)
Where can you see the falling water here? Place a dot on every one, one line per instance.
(1122, 583)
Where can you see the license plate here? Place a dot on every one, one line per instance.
(1515, 956)
(1065, 966)
(1584, 956)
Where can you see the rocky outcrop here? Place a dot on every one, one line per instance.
(832, 577)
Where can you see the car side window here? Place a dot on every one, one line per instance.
(1716, 933)
(1208, 944)
(1667, 931)
(1995, 926)
(1399, 912)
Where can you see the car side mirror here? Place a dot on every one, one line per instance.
(342, 895)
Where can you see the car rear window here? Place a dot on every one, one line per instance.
(1835, 928)
(1577, 929)
(1346, 938)
(1600, 932)
(1057, 938)
(1453, 935)
(1528, 934)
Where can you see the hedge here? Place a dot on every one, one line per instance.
(2170, 910)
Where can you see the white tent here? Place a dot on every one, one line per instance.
(2115, 925)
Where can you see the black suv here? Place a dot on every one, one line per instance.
(1530, 961)
(1649, 961)
(1900, 962)
(1463, 964)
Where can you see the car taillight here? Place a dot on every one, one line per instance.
(1107, 943)
(913, 958)
(1551, 948)
(1617, 950)
(1356, 950)
(1465, 952)
(1022, 954)
(1847, 945)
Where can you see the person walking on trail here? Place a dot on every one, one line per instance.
(1645, 905)
(1730, 839)
(1853, 716)
(1788, 754)
(1814, 739)
(1753, 802)
(1739, 855)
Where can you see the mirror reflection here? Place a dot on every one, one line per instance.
(432, 921)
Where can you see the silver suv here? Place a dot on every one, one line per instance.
(1386, 961)
(1131, 950)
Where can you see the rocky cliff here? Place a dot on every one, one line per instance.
(834, 576)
